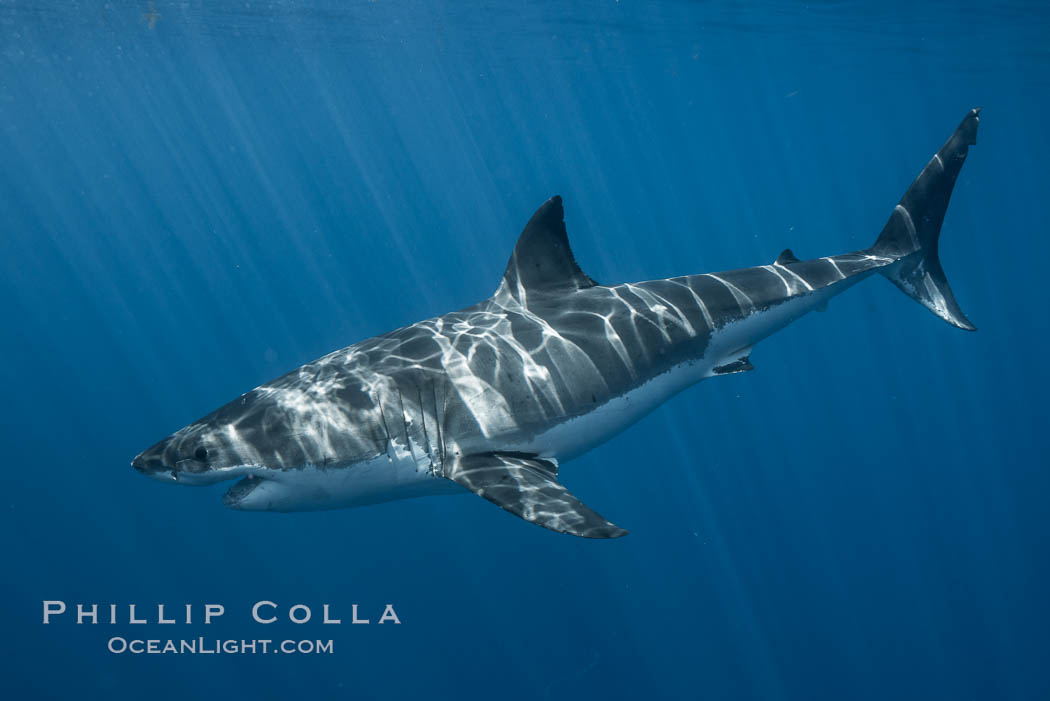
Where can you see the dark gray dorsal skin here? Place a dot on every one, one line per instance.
(496, 396)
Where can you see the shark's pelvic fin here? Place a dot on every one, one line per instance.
(542, 259)
(742, 364)
(914, 228)
(528, 487)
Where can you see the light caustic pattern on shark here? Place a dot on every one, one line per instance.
(495, 396)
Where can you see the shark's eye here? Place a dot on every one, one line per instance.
(201, 453)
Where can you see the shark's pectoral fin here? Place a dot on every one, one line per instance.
(528, 487)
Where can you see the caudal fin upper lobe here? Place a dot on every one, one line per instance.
(912, 233)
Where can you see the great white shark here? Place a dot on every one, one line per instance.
(495, 397)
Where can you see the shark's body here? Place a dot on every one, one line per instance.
(494, 397)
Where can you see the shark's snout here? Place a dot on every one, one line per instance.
(187, 457)
(165, 461)
(152, 463)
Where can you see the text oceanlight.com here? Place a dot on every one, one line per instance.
(204, 646)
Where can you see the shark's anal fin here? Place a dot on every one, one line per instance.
(786, 257)
(528, 487)
(738, 365)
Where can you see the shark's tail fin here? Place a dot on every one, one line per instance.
(911, 234)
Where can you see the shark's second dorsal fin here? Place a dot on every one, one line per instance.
(542, 260)
(786, 257)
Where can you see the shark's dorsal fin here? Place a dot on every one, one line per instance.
(542, 260)
(528, 487)
(786, 257)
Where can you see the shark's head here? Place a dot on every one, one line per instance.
(292, 452)
(254, 435)
(197, 454)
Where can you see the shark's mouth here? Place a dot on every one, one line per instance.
(255, 493)
(205, 477)
(237, 494)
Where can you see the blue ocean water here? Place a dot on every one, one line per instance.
(199, 196)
